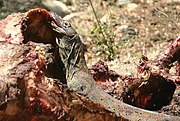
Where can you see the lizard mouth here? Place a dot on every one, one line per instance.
(57, 28)
(59, 31)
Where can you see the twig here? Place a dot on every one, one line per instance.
(158, 10)
(97, 19)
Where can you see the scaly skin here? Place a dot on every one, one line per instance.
(80, 80)
(72, 55)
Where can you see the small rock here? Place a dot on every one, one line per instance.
(128, 34)
(169, 1)
(150, 2)
(68, 2)
(122, 2)
(123, 27)
(131, 7)
(56, 6)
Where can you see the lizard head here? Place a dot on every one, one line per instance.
(61, 27)
(68, 41)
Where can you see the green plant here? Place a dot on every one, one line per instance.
(104, 36)
(106, 40)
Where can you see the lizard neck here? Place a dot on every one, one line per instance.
(72, 54)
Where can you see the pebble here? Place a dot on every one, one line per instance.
(170, 1)
(131, 7)
(57, 6)
(123, 27)
(150, 2)
(122, 2)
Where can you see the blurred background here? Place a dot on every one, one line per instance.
(118, 32)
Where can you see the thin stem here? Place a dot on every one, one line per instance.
(158, 10)
(98, 21)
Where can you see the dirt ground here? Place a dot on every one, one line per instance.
(141, 27)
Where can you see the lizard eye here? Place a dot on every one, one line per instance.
(66, 24)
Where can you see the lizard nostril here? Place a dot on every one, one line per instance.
(67, 24)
